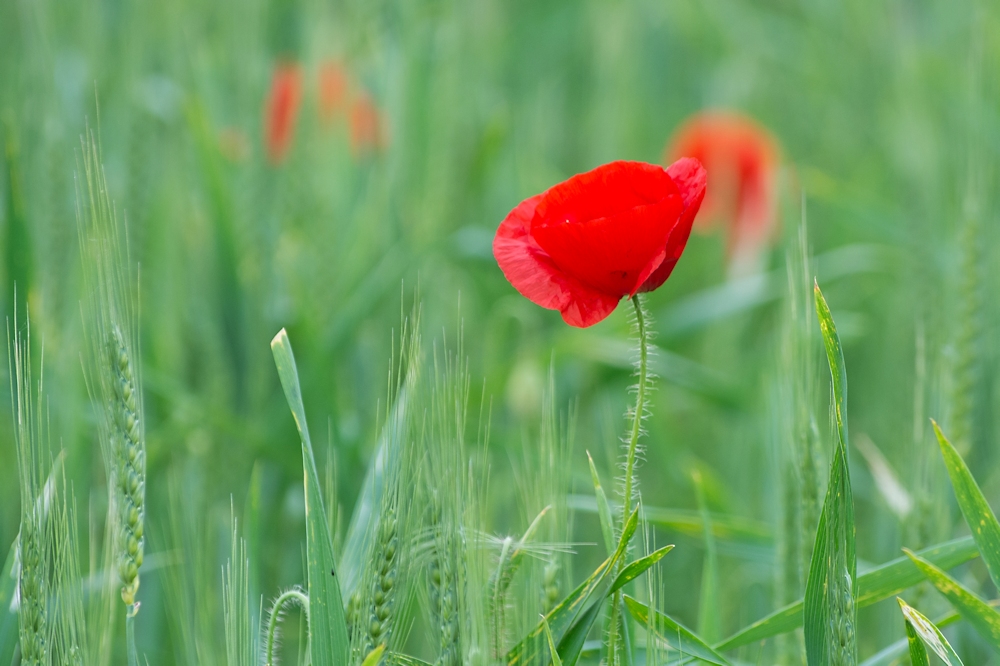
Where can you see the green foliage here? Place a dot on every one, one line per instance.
(977, 512)
(328, 638)
(921, 631)
(983, 618)
(829, 612)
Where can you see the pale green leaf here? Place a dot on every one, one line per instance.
(637, 568)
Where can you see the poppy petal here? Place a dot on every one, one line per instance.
(608, 227)
(690, 177)
(531, 271)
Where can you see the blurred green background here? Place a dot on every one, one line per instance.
(887, 116)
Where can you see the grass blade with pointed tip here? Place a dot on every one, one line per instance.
(983, 618)
(603, 508)
(829, 611)
(921, 631)
(328, 641)
(562, 618)
(978, 514)
(637, 568)
(673, 633)
(876, 585)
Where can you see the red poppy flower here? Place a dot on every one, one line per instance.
(741, 158)
(365, 126)
(583, 244)
(282, 109)
(332, 90)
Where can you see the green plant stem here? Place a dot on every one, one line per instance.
(130, 613)
(272, 624)
(640, 404)
(633, 443)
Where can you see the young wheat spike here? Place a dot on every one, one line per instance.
(33, 542)
(131, 461)
(114, 377)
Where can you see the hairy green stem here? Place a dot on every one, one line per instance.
(130, 613)
(640, 404)
(633, 443)
(272, 624)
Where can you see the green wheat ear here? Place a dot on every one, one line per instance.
(111, 324)
(34, 539)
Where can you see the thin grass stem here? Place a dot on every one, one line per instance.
(133, 657)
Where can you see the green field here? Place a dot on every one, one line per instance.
(417, 127)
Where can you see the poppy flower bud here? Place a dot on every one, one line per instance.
(281, 110)
(583, 244)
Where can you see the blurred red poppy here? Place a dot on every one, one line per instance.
(583, 244)
(741, 158)
(282, 109)
(332, 90)
(365, 125)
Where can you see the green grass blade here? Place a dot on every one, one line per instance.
(556, 661)
(983, 618)
(921, 631)
(830, 589)
(978, 514)
(571, 645)
(329, 645)
(562, 618)
(918, 653)
(674, 634)
(838, 370)
(8, 620)
(637, 568)
(829, 615)
(603, 508)
(876, 585)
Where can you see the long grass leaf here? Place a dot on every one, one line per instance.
(674, 634)
(876, 585)
(978, 514)
(921, 631)
(983, 618)
(328, 640)
(829, 615)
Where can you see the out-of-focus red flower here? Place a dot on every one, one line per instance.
(365, 125)
(583, 244)
(741, 158)
(333, 83)
(281, 110)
